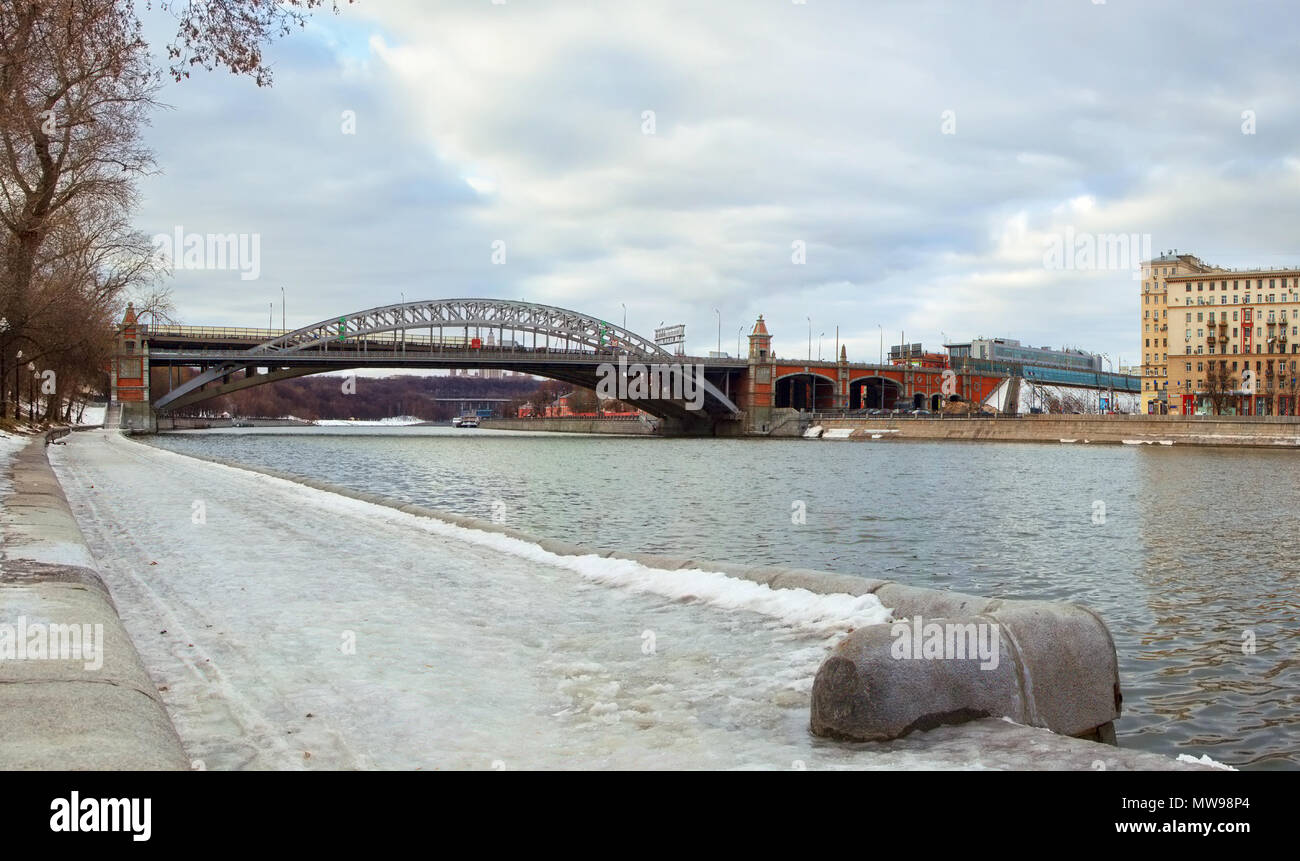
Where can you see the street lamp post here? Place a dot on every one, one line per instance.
(31, 392)
(739, 332)
(4, 346)
(281, 307)
(719, 313)
(809, 339)
(819, 345)
(1110, 404)
(624, 316)
(18, 395)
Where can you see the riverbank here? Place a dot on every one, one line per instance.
(1264, 432)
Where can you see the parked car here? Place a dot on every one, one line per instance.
(921, 413)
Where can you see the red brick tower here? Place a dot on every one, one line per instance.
(758, 399)
(129, 369)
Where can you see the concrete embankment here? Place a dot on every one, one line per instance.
(572, 425)
(74, 695)
(1266, 432)
(1054, 670)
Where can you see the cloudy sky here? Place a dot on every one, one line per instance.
(924, 156)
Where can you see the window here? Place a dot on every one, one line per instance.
(1200, 366)
(1189, 316)
(1200, 317)
(1199, 287)
(1189, 288)
(1247, 299)
(1234, 299)
(1223, 300)
(1234, 319)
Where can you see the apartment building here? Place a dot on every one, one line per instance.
(1218, 340)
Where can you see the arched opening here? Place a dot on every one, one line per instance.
(874, 393)
(936, 402)
(804, 392)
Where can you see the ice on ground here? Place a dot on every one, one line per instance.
(10, 445)
(292, 628)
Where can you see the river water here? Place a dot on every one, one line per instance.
(1187, 553)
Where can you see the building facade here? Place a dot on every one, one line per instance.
(1011, 350)
(1219, 341)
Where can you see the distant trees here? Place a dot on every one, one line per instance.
(324, 396)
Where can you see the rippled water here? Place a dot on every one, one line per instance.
(1189, 554)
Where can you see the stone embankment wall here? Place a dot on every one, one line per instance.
(1268, 432)
(66, 713)
(572, 425)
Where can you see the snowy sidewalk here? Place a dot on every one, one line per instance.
(293, 628)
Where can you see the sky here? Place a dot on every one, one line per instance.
(906, 167)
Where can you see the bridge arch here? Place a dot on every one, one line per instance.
(803, 390)
(576, 330)
(575, 348)
(875, 391)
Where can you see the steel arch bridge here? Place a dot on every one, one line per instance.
(573, 347)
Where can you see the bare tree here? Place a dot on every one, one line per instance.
(155, 303)
(213, 33)
(1218, 385)
(76, 86)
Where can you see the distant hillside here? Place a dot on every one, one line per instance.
(323, 397)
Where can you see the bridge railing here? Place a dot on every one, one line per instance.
(363, 350)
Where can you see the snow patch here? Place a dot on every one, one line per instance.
(1204, 760)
